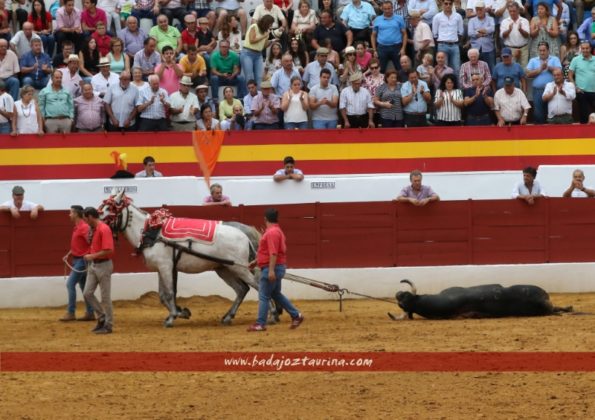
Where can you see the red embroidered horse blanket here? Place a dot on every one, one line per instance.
(178, 228)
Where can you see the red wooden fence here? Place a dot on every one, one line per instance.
(374, 234)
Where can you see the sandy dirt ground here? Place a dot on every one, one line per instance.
(362, 326)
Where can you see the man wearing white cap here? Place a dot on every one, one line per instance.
(19, 204)
(355, 104)
(102, 80)
(71, 80)
(183, 107)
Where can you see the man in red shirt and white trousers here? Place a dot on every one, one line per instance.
(99, 271)
(271, 258)
(79, 246)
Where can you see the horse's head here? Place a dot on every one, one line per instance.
(111, 210)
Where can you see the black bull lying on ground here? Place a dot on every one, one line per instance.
(489, 301)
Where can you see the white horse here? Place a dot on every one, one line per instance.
(234, 245)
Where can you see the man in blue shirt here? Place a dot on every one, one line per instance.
(416, 97)
(584, 31)
(357, 16)
(508, 68)
(540, 69)
(389, 37)
(36, 66)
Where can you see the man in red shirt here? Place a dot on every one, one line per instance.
(271, 258)
(79, 246)
(99, 271)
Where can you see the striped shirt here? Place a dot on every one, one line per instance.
(467, 70)
(122, 101)
(156, 110)
(448, 111)
(385, 94)
(355, 103)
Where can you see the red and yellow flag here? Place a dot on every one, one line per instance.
(207, 146)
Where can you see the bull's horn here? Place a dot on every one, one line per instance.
(410, 283)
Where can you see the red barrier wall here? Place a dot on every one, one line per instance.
(376, 234)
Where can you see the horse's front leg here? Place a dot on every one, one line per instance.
(166, 295)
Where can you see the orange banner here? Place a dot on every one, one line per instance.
(207, 146)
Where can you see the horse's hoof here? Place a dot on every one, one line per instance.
(185, 314)
(168, 323)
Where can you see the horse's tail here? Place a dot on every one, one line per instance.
(253, 236)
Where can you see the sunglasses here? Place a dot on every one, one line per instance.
(350, 54)
(374, 67)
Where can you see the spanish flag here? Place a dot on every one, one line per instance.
(207, 146)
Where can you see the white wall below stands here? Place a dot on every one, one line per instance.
(61, 194)
(377, 282)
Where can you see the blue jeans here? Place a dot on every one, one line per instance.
(238, 81)
(453, 56)
(296, 125)
(324, 124)
(490, 58)
(144, 14)
(388, 53)
(252, 65)
(268, 291)
(5, 128)
(73, 279)
(12, 87)
(539, 106)
(48, 44)
(262, 126)
(38, 84)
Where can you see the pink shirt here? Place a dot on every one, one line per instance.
(169, 79)
(69, 21)
(364, 61)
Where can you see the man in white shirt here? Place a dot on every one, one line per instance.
(577, 188)
(510, 104)
(559, 95)
(19, 204)
(183, 107)
(269, 8)
(6, 109)
(529, 189)
(355, 104)
(71, 80)
(102, 80)
(423, 39)
(20, 43)
(448, 29)
(515, 32)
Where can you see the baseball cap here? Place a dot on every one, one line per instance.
(508, 81)
(506, 52)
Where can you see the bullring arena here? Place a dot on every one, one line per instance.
(540, 367)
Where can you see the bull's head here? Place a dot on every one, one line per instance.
(406, 300)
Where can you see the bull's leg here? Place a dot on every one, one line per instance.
(239, 286)
(166, 295)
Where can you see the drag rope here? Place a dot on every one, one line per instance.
(333, 288)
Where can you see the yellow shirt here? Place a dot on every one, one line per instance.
(197, 67)
(258, 46)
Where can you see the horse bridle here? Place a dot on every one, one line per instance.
(114, 219)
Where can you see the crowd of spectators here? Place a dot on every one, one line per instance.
(336, 63)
